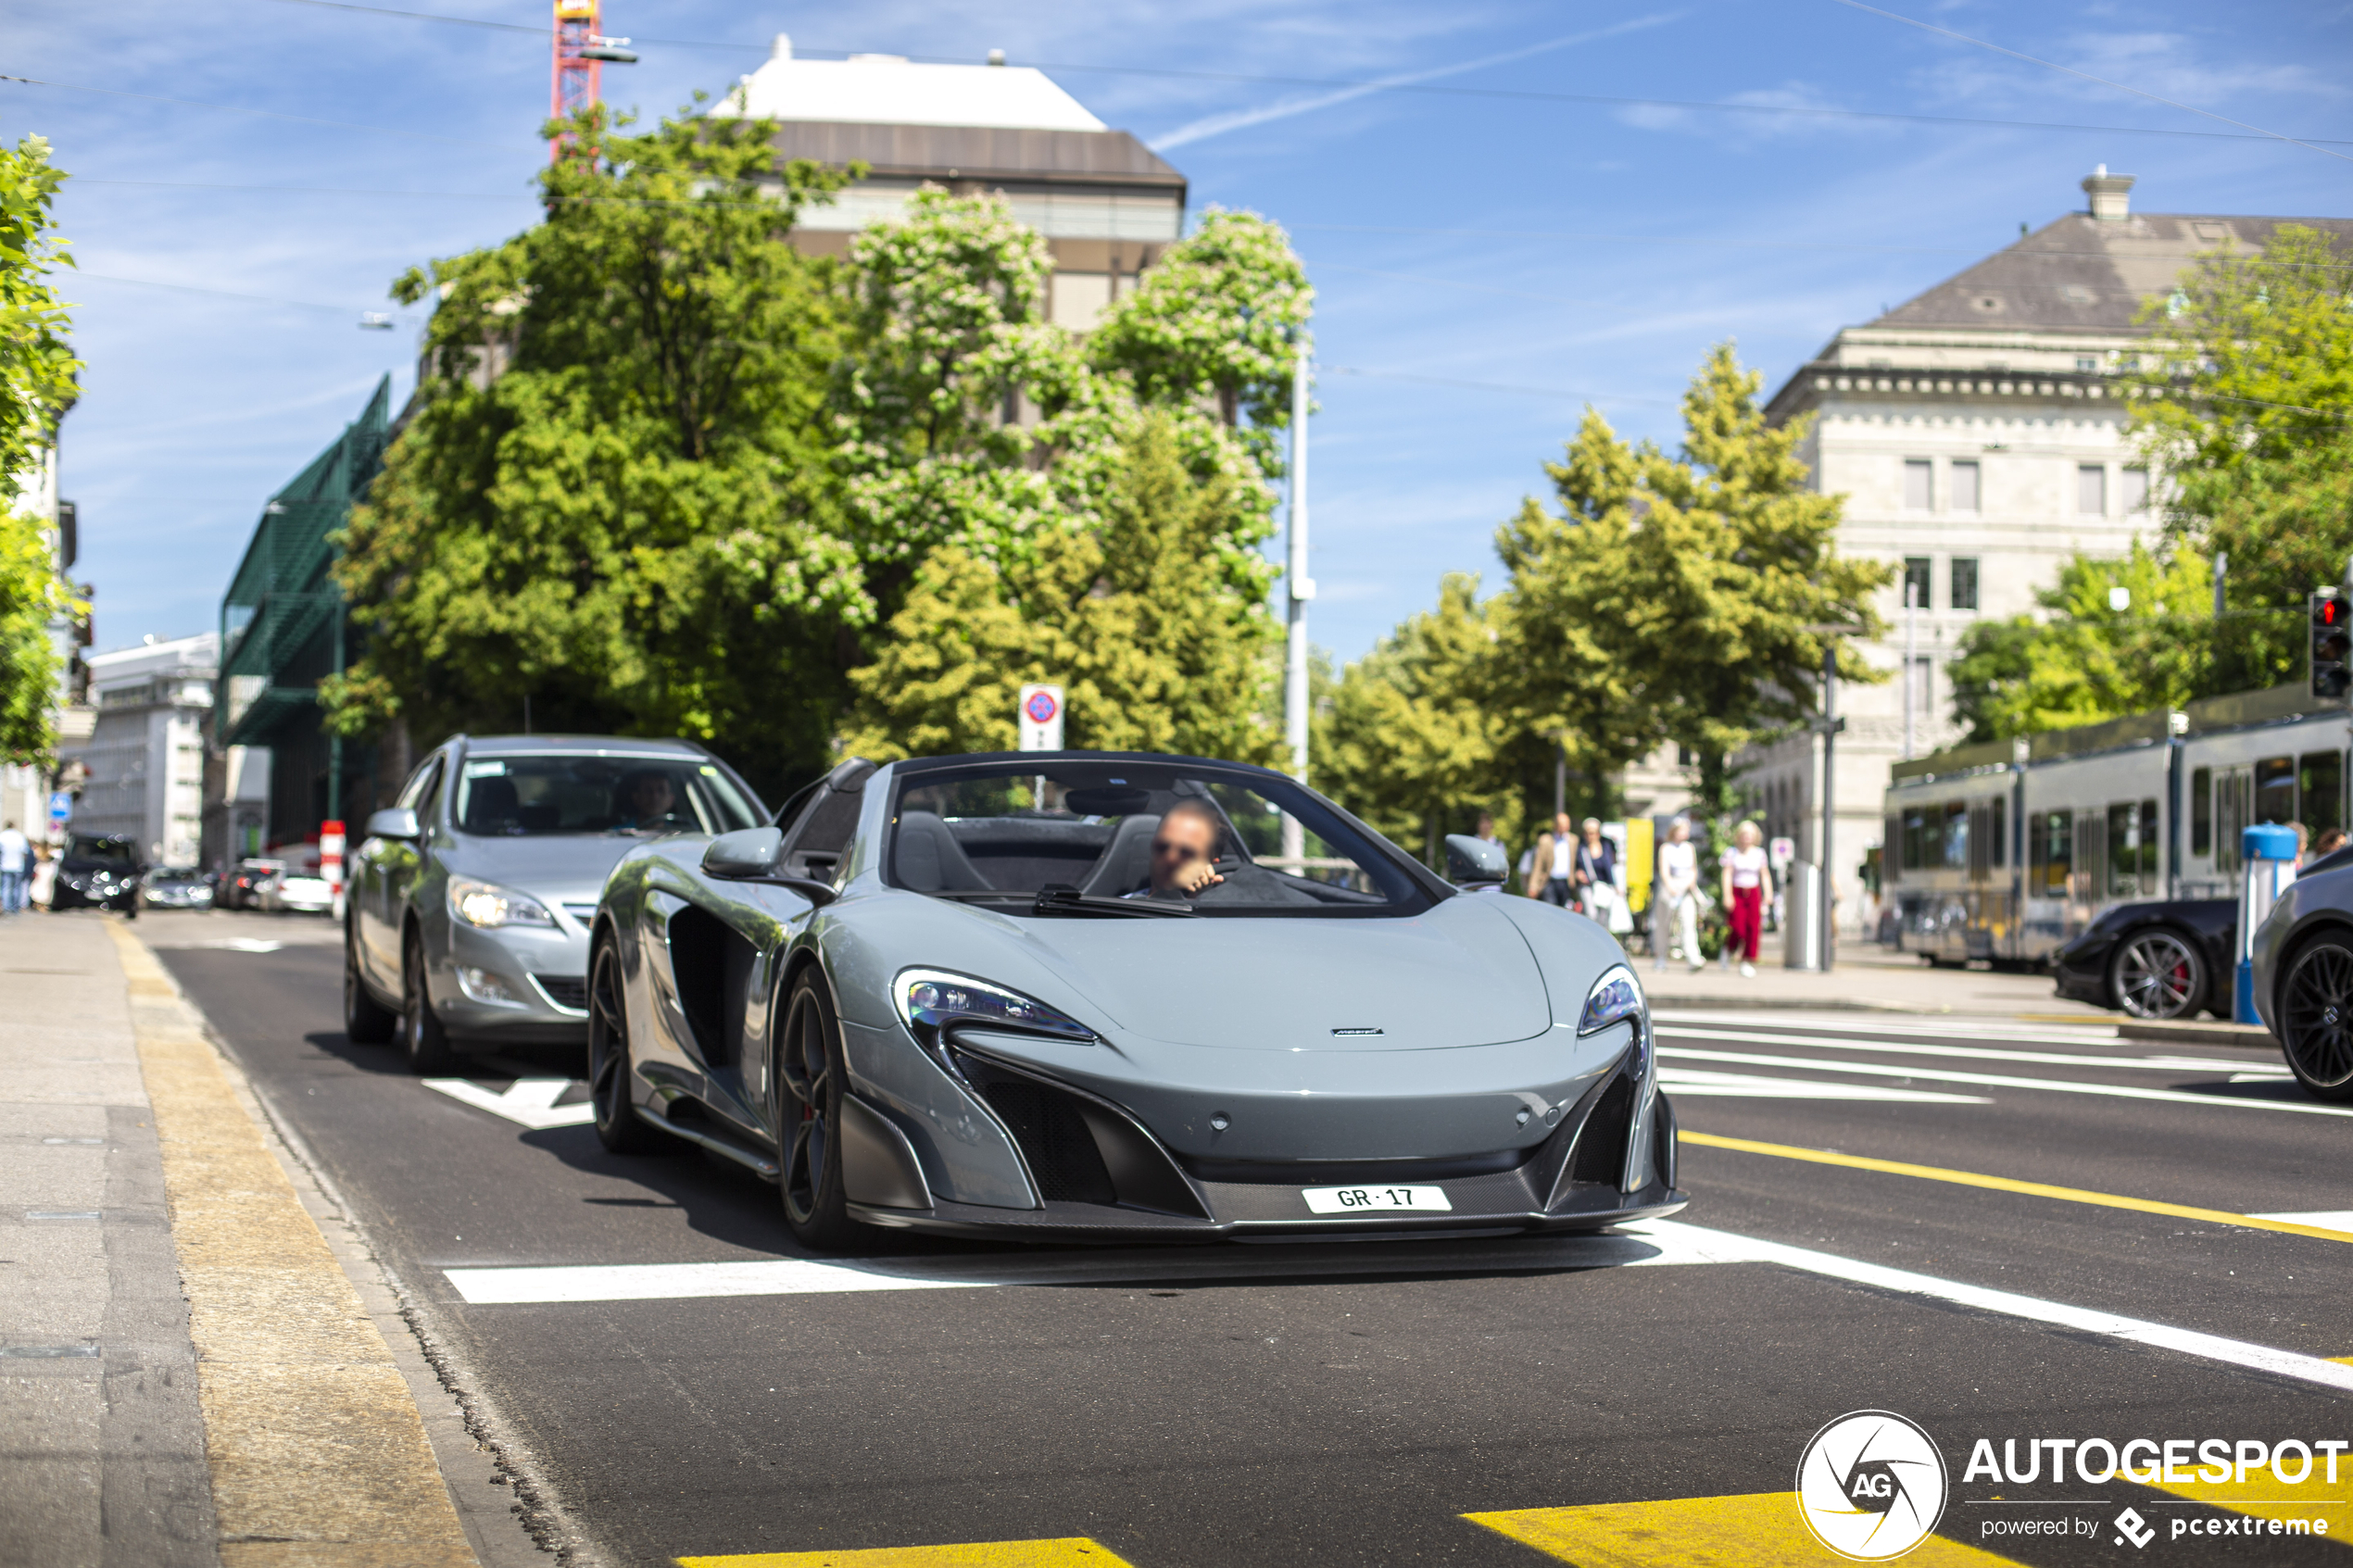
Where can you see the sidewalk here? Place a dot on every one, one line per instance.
(188, 1375)
(1867, 977)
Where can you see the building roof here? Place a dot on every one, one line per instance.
(993, 153)
(2088, 273)
(891, 90)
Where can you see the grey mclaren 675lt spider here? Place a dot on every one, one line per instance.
(1109, 995)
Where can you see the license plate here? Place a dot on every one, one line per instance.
(1358, 1201)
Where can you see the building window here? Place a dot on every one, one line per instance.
(2090, 490)
(1964, 582)
(2136, 491)
(2087, 362)
(1964, 487)
(1918, 490)
(1917, 578)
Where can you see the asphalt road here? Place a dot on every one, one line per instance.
(1349, 1403)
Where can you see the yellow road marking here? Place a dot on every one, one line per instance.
(1734, 1532)
(2005, 1183)
(316, 1449)
(1071, 1551)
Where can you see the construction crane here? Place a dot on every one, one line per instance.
(582, 52)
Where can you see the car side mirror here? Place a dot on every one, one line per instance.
(1474, 862)
(744, 854)
(394, 822)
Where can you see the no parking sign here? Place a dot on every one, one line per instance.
(1041, 718)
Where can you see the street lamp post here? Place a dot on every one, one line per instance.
(1299, 589)
(1829, 725)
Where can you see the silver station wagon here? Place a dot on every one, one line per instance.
(470, 899)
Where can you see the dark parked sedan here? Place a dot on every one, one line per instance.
(97, 871)
(2164, 958)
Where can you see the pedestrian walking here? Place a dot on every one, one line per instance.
(16, 854)
(1555, 863)
(43, 891)
(1675, 923)
(1745, 871)
(1595, 872)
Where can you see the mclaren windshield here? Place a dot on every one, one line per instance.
(1142, 838)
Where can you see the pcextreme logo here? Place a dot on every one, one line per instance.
(1871, 1486)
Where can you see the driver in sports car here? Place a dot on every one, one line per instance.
(1184, 851)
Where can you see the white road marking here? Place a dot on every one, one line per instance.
(245, 944)
(1964, 1053)
(1750, 1086)
(2090, 1031)
(2281, 1077)
(530, 1101)
(1724, 1247)
(668, 1281)
(2326, 1218)
(2000, 1081)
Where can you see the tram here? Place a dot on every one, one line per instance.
(2009, 850)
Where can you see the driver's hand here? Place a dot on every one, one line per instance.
(1194, 875)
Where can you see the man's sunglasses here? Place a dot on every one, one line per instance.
(1182, 851)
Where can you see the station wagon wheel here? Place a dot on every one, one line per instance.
(618, 1127)
(421, 1036)
(808, 1091)
(2314, 1009)
(2158, 974)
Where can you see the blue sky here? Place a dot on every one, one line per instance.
(1550, 252)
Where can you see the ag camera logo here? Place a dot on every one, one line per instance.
(1871, 1486)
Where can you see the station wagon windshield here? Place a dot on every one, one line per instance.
(1143, 839)
(539, 792)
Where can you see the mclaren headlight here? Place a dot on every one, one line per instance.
(489, 906)
(1615, 997)
(929, 999)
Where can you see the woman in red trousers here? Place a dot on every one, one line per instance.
(1744, 881)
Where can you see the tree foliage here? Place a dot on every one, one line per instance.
(1669, 599)
(1156, 648)
(38, 373)
(633, 525)
(2081, 659)
(2246, 407)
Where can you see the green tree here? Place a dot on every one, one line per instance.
(1675, 598)
(2245, 405)
(1157, 646)
(1412, 740)
(38, 373)
(616, 495)
(2085, 659)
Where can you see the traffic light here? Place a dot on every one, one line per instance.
(2332, 619)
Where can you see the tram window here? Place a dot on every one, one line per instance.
(2202, 811)
(2055, 844)
(2275, 790)
(1956, 845)
(2124, 849)
(1889, 858)
(2149, 847)
(2319, 782)
(1998, 851)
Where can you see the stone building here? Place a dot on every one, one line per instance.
(1977, 433)
(145, 754)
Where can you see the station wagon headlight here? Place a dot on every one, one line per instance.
(489, 906)
(1615, 996)
(930, 999)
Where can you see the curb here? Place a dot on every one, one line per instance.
(315, 1447)
(2213, 1032)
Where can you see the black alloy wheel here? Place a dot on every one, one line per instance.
(2157, 974)
(420, 1033)
(366, 1021)
(808, 1091)
(2314, 1011)
(618, 1127)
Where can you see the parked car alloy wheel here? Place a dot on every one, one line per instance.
(2157, 974)
(2314, 1009)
